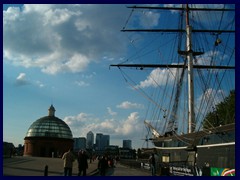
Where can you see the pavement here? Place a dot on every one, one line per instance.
(36, 166)
(122, 170)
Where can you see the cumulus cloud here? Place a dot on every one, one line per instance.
(82, 123)
(130, 126)
(161, 77)
(129, 105)
(62, 38)
(158, 77)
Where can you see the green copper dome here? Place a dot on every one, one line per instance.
(50, 126)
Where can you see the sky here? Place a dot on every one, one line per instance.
(60, 55)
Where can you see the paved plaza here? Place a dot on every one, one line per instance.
(35, 166)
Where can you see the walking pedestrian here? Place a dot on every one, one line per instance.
(152, 163)
(117, 159)
(103, 165)
(82, 163)
(68, 158)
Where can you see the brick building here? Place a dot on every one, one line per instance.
(48, 136)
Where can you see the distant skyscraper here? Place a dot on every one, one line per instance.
(90, 140)
(79, 143)
(102, 141)
(98, 141)
(127, 144)
(105, 141)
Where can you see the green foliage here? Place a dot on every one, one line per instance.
(223, 113)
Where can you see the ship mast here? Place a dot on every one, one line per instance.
(191, 114)
(188, 53)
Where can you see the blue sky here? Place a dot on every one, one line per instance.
(60, 55)
(73, 75)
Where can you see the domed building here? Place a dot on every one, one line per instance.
(48, 136)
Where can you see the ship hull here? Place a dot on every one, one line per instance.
(207, 152)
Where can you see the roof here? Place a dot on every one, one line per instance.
(49, 126)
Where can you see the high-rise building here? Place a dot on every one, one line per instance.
(79, 143)
(98, 141)
(105, 141)
(127, 144)
(102, 141)
(90, 140)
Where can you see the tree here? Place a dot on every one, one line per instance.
(222, 114)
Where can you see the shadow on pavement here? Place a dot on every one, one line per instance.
(109, 172)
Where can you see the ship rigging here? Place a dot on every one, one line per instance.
(209, 64)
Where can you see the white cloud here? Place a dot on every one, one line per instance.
(173, 5)
(89, 76)
(77, 63)
(207, 101)
(21, 77)
(21, 80)
(112, 113)
(130, 126)
(57, 16)
(210, 58)
(212, 97)
(129, 105)
(62, 38)
(80, 120)
(29, 8)
(158, 77)
(40, 84)
(83, 123)
(149, 19)
(82, 83)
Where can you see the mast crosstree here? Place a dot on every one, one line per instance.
(188, 53)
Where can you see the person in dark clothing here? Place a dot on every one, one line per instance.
(103, 165)
(82, 163)
(117, 159)
(152, 163)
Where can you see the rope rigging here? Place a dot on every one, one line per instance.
(172, 98)
(215, 77)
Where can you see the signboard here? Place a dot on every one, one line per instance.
(222, 172)
(196, 171)
(185, 171)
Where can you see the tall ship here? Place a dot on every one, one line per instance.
(189, 65)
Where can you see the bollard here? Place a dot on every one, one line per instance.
(46, 170)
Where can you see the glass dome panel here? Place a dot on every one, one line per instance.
(49, 126)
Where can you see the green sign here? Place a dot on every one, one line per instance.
(222, 172)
